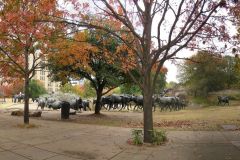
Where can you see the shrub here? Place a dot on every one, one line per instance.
(205, 101)
(158, 137)
(137, 138)
(36, 88)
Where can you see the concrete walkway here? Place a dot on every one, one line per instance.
(62, 140)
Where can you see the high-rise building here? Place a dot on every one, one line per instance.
(43, 75)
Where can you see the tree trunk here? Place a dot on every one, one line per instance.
(98, 101)
(26, 88)
(195, 93)
(147, 105)
(26, 100)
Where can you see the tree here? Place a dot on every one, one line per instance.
(87, 55)
(130, 88)
(81, 90)
(231, 71)
(171, 84)
(160, 81)
(36, 88)
(237, 69)
(9, 89)
(25, 34)
(89, 91)
(154, 38)
(133, 88)
(236, 13)
(208, 72)
(67, 88)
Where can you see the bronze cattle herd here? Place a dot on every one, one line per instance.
(113, 102)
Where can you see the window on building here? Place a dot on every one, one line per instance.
(50, 90)
(49, 84)
(42, 78)
(42, 72)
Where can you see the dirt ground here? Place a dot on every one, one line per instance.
(192, 118)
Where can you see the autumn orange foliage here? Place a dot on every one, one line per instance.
(9, 89)
(26, 29)
(78, 51)
(24, 32)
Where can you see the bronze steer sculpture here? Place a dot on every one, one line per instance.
(223, 100)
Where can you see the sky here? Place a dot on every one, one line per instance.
(172, 72)
(186, 53)
(172, 68)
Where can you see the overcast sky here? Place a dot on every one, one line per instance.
(172, 72)
(172, 68)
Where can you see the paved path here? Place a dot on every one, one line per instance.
(63, 140)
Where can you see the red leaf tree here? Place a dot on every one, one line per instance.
(25, 34)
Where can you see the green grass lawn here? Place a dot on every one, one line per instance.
(204, 118)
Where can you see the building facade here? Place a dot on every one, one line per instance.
(43, 75)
